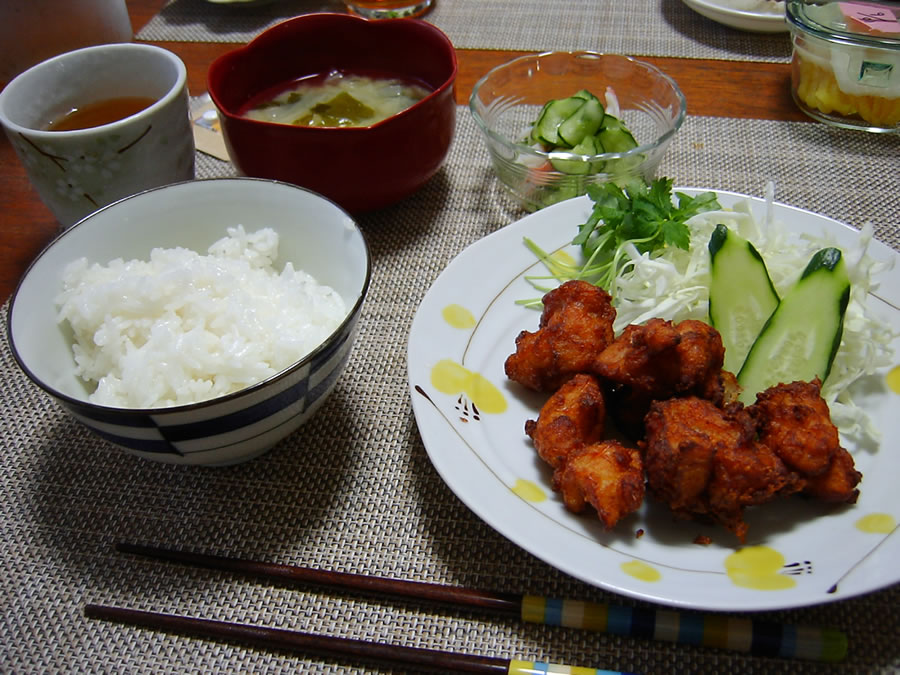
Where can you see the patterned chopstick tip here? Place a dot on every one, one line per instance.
(745, 635)
(517, 667)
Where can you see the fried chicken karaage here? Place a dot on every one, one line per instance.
(574, 416)
(838, 483)
(567, 435)
(576, 325)
(661, 359)
(607, 475)
(704, 461)
(699, 450)
(794, 420)
(658, 360)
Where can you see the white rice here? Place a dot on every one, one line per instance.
(184, 327)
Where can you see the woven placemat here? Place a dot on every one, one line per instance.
(638, 27)
(354, 490)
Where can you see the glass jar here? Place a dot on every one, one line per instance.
(845, 69)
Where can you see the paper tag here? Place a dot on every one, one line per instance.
(873, 18)
(207, 130)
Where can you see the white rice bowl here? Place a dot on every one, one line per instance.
(253, 315)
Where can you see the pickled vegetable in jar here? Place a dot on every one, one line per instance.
(846, 62)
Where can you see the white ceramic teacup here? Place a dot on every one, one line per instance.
(76, 172)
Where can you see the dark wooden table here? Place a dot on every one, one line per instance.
(712, 88)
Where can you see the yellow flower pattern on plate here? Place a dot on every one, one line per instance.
(458, 317)
(877, 523)
(641, 570)
(893, 379)
(449, 377)
(529, 490)
(758, 567)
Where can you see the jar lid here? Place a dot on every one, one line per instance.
(872, 24)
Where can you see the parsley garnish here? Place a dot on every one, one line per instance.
(637, 214)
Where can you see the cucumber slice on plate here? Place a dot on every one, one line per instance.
(800, 339)
(741, 294)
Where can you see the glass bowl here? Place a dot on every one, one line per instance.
(507, 100)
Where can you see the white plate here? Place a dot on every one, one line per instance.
(754, 21)
(464, 330)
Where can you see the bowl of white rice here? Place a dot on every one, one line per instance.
(197, 323)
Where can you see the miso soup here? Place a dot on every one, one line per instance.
(337, 100)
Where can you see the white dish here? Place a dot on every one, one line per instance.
(753, 21)
(467, 324)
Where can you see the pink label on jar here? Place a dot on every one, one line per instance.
(871, 17)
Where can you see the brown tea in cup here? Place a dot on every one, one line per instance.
(99, 113)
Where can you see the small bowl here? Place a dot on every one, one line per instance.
(360, 168)
(314, 234)
(844, 71)
(507, 100)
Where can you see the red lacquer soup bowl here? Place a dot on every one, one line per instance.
(360, 168)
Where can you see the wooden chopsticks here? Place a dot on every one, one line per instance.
(740, 634)
(501, 603)
(341, 648)
(325, 645)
